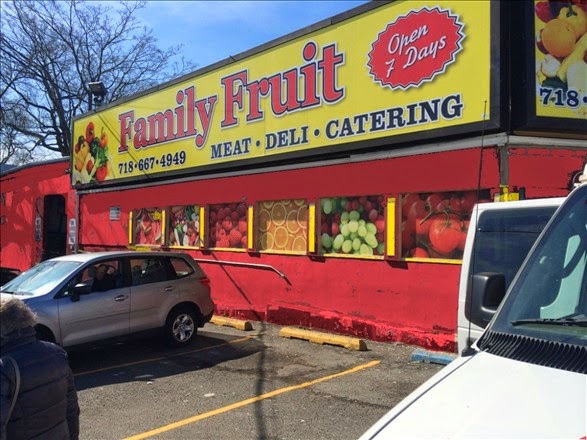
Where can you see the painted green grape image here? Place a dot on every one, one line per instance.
(352, 226)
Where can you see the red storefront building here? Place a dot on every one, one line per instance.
(324, 179)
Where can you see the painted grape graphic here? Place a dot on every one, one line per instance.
(352, 225)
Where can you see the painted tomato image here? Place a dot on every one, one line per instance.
(434, 225)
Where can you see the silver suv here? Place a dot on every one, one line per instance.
(83, 298)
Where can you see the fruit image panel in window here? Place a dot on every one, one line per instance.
(352, 226)
(282, 226)
(184, 226)
(228, 225)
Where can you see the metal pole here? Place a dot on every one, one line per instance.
(251, 265)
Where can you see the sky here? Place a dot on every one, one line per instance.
(211, 31)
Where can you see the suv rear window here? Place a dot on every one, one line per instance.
(181, 267)
(153, 269)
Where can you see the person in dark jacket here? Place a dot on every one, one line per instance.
(46, 406)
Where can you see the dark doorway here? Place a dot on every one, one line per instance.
(54, 226)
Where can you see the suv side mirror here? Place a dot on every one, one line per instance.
(487, 290)
(80, 289)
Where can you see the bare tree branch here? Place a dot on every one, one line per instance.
(51, 50)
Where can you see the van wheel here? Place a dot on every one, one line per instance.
(180, 327)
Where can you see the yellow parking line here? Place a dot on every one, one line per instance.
(245, 402)
(144, 361)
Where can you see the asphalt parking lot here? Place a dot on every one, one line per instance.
(233, 384)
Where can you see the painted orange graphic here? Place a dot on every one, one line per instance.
(282, 226)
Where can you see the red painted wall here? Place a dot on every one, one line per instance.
(413, 302)
(382, 300)
(23, 193)
(544, 172)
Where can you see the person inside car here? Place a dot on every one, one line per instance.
(104, 279)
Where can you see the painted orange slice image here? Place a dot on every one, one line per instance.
(278, 214)
(280, 236)
(287, 204)
(265, 241)
(299, 244)
(303, 217)
(291, 222)
(264, 220)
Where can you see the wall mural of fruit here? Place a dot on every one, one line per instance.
(184, 226)
(228, 225)
(352, 225)
(282, 226)
(434, 225)
(91, 159)
(147, 226)
(561, 55)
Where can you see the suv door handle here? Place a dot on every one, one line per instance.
(120, 298)
(169, 288)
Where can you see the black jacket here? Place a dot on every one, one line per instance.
(47, 404)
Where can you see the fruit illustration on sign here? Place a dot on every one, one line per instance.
(561, 55)
(91, 159)
(576, 17)
(558, 37)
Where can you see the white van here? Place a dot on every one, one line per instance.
(527, 377)
(500, 236)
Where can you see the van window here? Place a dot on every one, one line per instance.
(504, 238)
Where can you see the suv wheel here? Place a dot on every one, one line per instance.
(180, 327)
(44, 334)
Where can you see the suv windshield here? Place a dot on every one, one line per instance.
(41, 278)
(548, 300)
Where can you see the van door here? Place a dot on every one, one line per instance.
(502, 239)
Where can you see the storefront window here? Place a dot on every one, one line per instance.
(282, 226)
(434, 225)
(352, 226)
(147, 226)
(184, 226)
(228, 225)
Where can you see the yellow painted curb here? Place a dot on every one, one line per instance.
(323, 338)
(230, 322)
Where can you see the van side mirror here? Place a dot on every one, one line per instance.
(487, 290)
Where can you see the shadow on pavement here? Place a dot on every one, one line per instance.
(148, 359)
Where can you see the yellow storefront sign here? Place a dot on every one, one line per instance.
(561, 70)
(398, 69)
